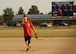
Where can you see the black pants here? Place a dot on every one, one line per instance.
(27, 38)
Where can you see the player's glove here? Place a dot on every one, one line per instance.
(36, 35)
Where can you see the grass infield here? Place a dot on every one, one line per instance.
(42, 32)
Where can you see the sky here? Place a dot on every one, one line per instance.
(44, 6)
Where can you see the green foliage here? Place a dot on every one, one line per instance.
(1, 18)
(33, 10)
(20, 11)
(50, 13)
(74, 8)
(8, 14)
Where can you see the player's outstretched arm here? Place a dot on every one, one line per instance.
(36, 35)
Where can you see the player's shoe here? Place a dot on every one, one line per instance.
(27, 49)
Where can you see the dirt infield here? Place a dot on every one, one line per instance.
(54, 45)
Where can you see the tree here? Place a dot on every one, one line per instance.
(74, 8)
(50, 13)
(20, 11)
(33, 10)
(41, 13)
(1, 18)
(8, 14)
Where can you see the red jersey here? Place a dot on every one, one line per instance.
(27, 26)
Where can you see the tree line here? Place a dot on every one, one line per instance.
(9, 13)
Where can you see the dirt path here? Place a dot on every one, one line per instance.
(54, 45)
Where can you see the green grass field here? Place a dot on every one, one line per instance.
(43, 32)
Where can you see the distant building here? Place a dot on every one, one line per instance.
(46, 18)
(33, 17)
(43, 17)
